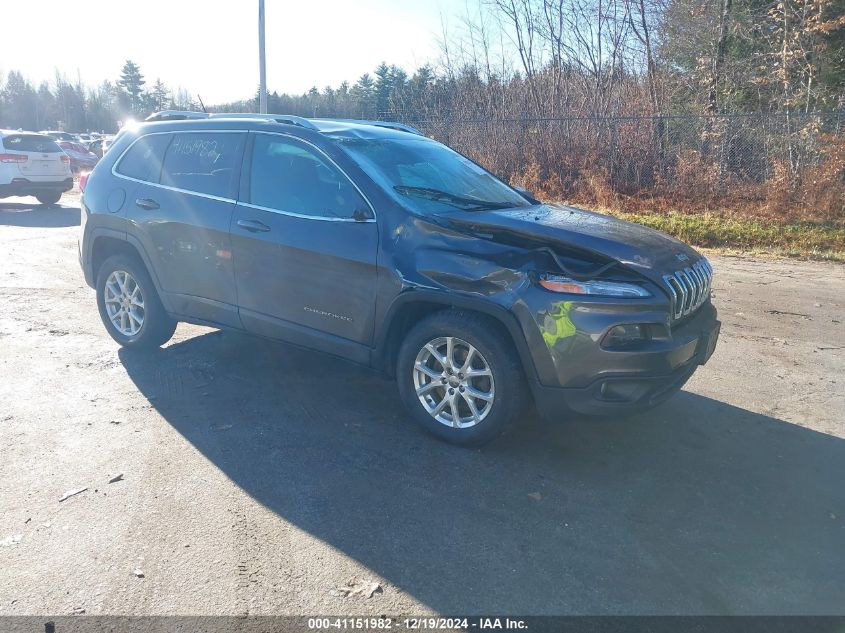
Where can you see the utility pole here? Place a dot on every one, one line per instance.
(262, 65)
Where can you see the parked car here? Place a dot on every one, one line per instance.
(95, 146)
(56, 135)
(80, 158)
(33, 165)
(106, 143)
(370, 242)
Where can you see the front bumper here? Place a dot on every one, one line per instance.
(25, 187)
(576, 373)
(622, 395)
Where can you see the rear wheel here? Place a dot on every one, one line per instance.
(460, 378)
(49, 198)
(129, 304)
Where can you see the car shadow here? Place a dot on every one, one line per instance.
(37, 215)
(697, 507)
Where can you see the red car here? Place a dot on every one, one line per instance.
(80, 158)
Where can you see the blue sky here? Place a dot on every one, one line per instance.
(209, 47)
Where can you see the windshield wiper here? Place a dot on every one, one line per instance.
(463, 202)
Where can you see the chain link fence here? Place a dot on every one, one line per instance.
(695, 155)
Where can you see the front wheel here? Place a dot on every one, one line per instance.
(129, 305)
(460, 377)
(49, 198)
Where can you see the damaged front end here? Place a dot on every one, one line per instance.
(464, 254)
(597, 321)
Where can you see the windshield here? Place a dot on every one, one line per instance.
(429, 177)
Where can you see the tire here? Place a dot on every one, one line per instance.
(155, 328)
(50, 198)
(503, 378)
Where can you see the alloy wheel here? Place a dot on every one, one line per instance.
(453, 382)
(124, 303)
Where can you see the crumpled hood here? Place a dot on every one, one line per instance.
(649, 252)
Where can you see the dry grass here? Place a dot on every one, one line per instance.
(790, 214)
(811, 198)
(812, 240)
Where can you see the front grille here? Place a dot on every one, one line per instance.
(689, 288)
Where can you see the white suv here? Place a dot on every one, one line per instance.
(33, 165)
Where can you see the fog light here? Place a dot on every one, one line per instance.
(625, 335)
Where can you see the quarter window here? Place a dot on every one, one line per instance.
(288, 176)
(143, 160)
(203, 162)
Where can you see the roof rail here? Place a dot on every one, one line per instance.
(176, 115)
(290, 119)
(181, 115)
(391, 125)
(278, 118)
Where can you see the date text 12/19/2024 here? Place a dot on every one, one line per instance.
(420, 623)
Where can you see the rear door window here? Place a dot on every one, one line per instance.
(205, 162)
(143, 160)
(31, 143)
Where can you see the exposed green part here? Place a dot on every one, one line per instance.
(557, 325)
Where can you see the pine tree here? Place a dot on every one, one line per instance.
(419, 89)
(398, 96)
(18, 103)
(383, 88)
(363, 96)
(160, 95)
(132, 82)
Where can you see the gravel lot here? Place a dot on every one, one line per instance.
(262, 479)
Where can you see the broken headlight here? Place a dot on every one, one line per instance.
(594, 287)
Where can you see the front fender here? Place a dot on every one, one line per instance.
(526, 340)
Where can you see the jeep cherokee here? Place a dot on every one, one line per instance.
(368, 241)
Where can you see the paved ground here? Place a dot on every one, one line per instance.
(258, 478)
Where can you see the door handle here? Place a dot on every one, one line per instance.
(254, 226)
(146, 203)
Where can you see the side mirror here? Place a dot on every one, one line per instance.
(527, 195)
(362, 215)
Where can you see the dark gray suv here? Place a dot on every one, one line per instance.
(370, 242)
